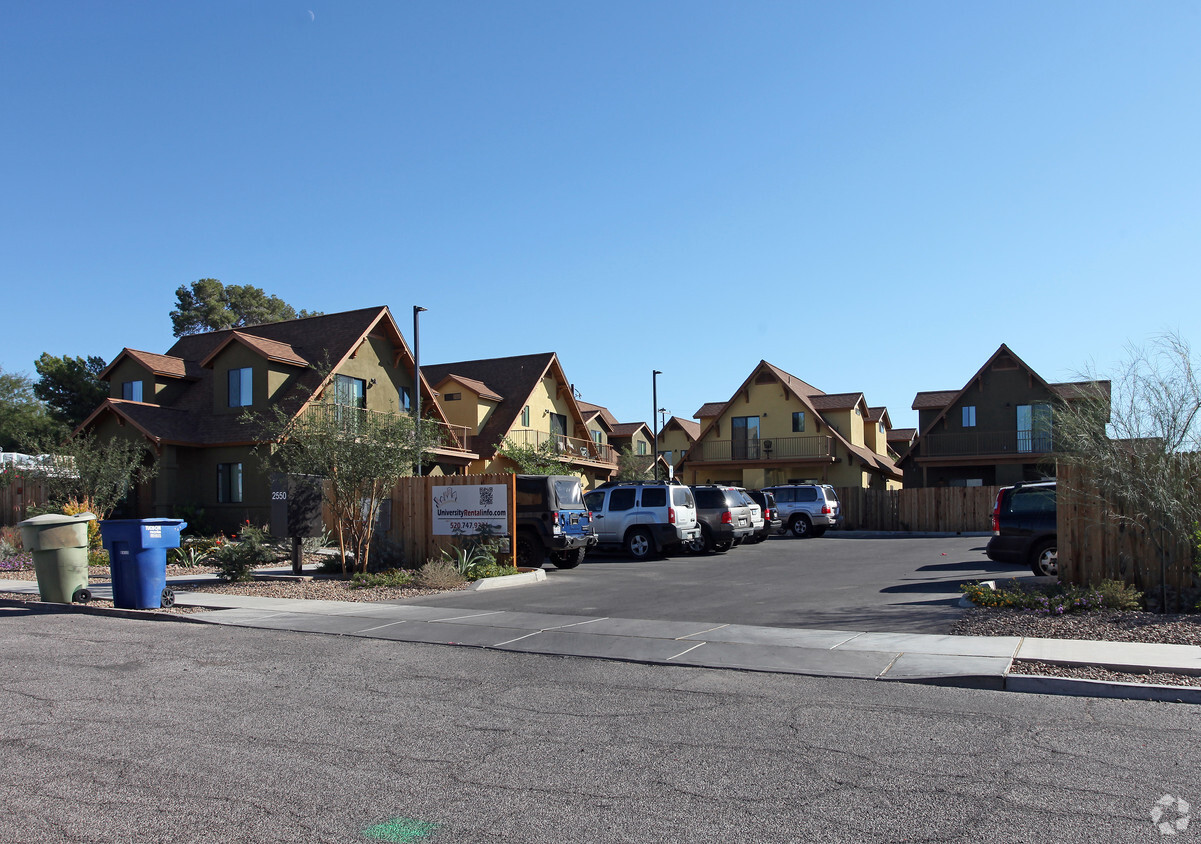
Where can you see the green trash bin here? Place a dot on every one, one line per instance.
(59, 546)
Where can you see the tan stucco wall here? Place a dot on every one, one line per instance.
(675, 441)
(374, 361)
(545, 398)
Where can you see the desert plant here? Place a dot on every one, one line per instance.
(75, 506)
(1057, 599)
(188, 556)
(390, 579)
(99, 471)
(439, 574)
(235, 561)
(10, 541)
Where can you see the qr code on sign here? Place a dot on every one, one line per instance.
(485, 495)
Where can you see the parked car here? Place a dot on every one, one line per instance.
(807, 509)
(772, 524)
(1024, 528)
(725, 519)
(644, 518)
(758, 524)
(551, 518)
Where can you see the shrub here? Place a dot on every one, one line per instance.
(188, 556)
(439, 574)
(390, 579)
(10, 541)
(74, 507)
(236, 560)
(1060, 599)
(98, 558)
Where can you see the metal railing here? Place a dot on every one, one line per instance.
(570, 448)
(764, 448)
(973, 443)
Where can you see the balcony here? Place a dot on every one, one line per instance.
(572, 449)
(987, 443)
(766, 448)
(444, 438)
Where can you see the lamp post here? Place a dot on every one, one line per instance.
(655, 410)
(417, 309)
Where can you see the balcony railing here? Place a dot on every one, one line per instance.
(976, 443)
(764, 448)
(570, 448)
(358, 421)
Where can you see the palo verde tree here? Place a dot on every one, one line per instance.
(361, 454)
(1137, 441)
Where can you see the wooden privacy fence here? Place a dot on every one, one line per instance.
(17, 496)
(934, 509)
(411, 519)
(1096, 545)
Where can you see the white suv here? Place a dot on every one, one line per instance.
(807, 509)
(644, 518)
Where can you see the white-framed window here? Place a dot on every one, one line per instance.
(641, 447)
(132, 390)
(525, 416)
(229, 483)
(241, 387)
(969, 416)
(596, 437)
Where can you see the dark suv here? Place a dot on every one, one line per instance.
(1024, 528)
(725, 519)
(552, 519)
(772, 523)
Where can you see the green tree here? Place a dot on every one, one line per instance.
(96, 472)
(634, 467)
(70, 386)
(360, 453)
(209, 305)
(541, 459)
(23, 418)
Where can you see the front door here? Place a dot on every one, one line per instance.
(744, 435)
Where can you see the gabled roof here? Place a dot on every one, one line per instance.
(879, 414)
(512, 378)
(165, 366)
(710, 409)
(691, 429)
(629, 429)
(901, 435)
(272, 350)
(481, 389)
(839, 401)
(591, 410)
(329, 339)
(934, 399)
(1072, 390)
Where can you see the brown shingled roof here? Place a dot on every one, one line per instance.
(934, 399)
(628, 429)
(274, 350)
(690, 428)
(836, 401)
(590, 410)
(481, 389)
(710, 409)
(1069, 391)
(164, 365)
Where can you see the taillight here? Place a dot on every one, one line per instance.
(996, 514)
(727, 518)
(825, 509)
(671, 515)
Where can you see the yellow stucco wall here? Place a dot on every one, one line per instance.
(675, 441)
(545, 399)
(374, 361)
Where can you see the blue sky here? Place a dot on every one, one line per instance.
(872, 196)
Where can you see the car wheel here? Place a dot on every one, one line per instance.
(1044, 562)
(568, 559)
(529, 552)
(722, 547)
(639, 544)
(700, 544)
(801, 527)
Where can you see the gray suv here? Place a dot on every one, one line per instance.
(644, 518)
(724, 516)
(807, 509)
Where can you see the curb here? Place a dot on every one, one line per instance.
(520, 579)
(112, 612)
(1078, 687)
(900, 534)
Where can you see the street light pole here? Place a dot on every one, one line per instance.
(654, 411)
(417, 309)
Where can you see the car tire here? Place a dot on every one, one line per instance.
(700, 545)
(1044, 559)
(801, 527)
(639, 544)
(568, 559)
(722, 547)
(818, 531)
(529, 551)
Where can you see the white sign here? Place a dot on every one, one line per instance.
(466, 509)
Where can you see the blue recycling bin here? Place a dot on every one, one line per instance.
(137, 555)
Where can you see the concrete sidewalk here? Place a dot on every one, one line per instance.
(983, 662)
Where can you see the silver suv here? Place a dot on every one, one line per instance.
(807, 509)
(644, 518)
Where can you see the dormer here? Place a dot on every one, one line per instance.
(147, 377)
(466, 401)
(876, 426)
(249, 371)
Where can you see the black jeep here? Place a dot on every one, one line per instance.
(552, 519)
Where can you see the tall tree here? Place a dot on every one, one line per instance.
(71, 387)
(209, 305)
(23, 418)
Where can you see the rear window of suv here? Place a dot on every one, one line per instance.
(806, 494)
(681, 496)
(568, 493)
(710, 499)
(1032, 501)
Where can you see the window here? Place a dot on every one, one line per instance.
(406, 399)
(1034, 427)
(654, 496)
(132, 390)
(452, 396)
(744, 435)
(229, 483)
(641, 447)
(798, 422)
(596, 437)
(683, 453)
(666, 455)
(969, 416)
(621, 499)
(350, 392)
(558, 426)
(681, 496)
(241, 387)
(525, 416)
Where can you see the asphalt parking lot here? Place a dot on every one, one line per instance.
(834, 582)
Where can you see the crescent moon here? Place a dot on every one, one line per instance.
(312, 17)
